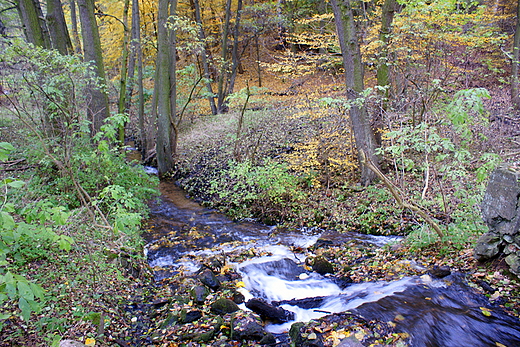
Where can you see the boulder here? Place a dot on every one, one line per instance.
(440, 271)
(322, 266)
(284, 268)
(501, 213)
(224, 306)
(488, 246)
(208, 278)
(269, 312)
(248, 327)
(189, 316)
(199, 294)
(513, 260)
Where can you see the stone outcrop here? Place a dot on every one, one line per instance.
(501, 212)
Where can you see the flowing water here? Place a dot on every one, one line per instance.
(435, 312)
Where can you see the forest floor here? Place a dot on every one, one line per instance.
(99, 295)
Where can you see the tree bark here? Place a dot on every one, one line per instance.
(515, 82)
(221, 91)
(204, 56)
(234, 53)
(387, 17)
(173, 82)
(58, 30)
(74, 27)
(33, 22)
(354, 79)
(98, 108)
(163, 91)
(136, 24)
(383, 68)
(123, 79)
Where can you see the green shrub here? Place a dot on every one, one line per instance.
(269, 192)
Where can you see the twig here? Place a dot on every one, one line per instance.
(23, 168)
(397, 196)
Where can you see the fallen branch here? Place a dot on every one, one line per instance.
(397, 196)
(22, 168)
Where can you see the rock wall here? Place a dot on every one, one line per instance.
(501, 212)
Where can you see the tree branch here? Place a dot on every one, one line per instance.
(400, 200)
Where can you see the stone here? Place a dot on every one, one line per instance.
(440, 271)
(322, 266)
(248, 327)
(284, 268)
(488, 246)
(268, 340)
(188, 317)
(350, 342)
(500, 199)
(299, 339)
(208, 278)
(238, 298)
(199, 294)
(224, 306)
(269, 312)
(513, 260)
(71, 343)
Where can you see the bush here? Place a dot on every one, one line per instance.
(268, 192)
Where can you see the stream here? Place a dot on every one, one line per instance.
(432, 311)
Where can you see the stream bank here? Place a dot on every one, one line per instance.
(207, 267)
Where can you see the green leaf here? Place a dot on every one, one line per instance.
(5, 149)
(6, 221)
(24, 306)
(65, 242)
(10, 285)
(37, 290)
(16, 184)
(24, 290)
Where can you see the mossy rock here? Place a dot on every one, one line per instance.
(224, 306)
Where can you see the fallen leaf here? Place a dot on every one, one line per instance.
(485, 312)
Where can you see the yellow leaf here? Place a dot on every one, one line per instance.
(359, 335)
(499, 344)
(90, 341)
(240, 284)
(485, 312)
(399, 318)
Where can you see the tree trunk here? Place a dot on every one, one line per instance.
(124, 71)
(173, 82)
(221, 91)
(59, 32)
(163, 91)
(354, 75)
(515, 82)
(234, 53)
(33, 23)
(204, 56)
(74, 26)
(136, 22)
(387, 17)
(98, 108)
(383, 68)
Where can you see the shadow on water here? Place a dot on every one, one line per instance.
(441, 312)
(445, 313)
